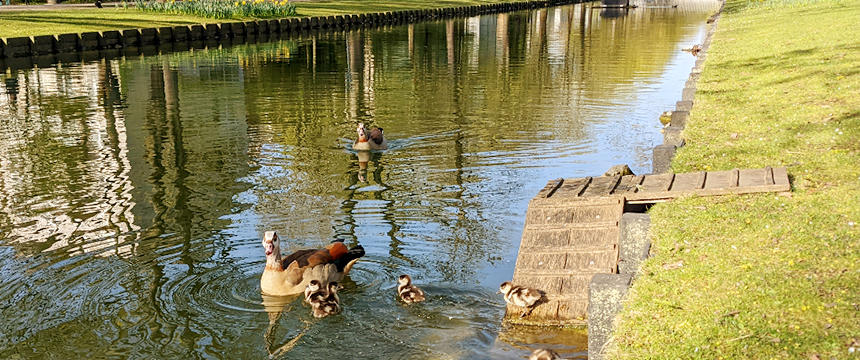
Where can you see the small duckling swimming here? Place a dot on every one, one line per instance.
(520, 296)
(314, 294)
(544, 354)
(330, 304)
(409, 293)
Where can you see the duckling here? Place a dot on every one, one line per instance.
(291, 275)
(520, 296)
(330, 304)
(314, 294)
(694, 50)
(375, 141)
(409, 293)
(544, 354)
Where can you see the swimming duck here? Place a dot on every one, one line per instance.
(520, 296)
(544, 354)
(409, 293)
(374, 141)
(694, 50)
(330, 304)
(292, 274)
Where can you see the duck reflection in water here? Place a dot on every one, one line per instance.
(363, 159)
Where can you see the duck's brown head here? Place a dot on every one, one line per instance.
(271, 243)
(362, 133)
(404, 280)
(505, 287)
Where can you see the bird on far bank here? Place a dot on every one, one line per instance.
(521, 296)
(544, 354)
(409, 293)
(694, 50)
(369, 140)
(292, 275)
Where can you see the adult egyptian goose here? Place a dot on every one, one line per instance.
(373, 141)
(291, 275)
(409, 293)
(520, 296)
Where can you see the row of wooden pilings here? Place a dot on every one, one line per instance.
(64, 44)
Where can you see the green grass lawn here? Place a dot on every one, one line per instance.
(30, 23)
(763, 276)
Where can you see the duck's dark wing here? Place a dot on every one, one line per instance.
(376, 135)
(300, 256)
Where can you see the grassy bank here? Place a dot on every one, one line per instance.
(764, 276)
(30, 23)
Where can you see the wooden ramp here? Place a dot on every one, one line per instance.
(572, 233)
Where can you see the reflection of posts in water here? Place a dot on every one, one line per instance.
(449, 40)
(363, 159)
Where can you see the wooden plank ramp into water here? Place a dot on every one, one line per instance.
(571, 230)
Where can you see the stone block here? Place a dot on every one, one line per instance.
(67, 43)
(130, 37)
(662, 158)
(330, 21)
(44, 45)
(72, 57)
(679, 119)
(237, 29)
(672, 136)
(684, 105)
(18, 47)
(634, 243)
(274, 26)
(605, 294)
(304, 23)
(688, 94)
(2, 50)
(90, 41)
(181, 33)
(285, 25)
(314, 22)
(148, 36)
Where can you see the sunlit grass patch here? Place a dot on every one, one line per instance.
(762, 276)
(221, 9)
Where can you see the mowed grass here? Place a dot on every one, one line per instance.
(762, 276)
(31, 23)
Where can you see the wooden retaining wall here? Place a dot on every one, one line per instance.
(23, 52)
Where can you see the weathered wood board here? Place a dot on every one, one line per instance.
(571, 230)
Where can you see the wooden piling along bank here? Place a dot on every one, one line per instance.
(572, 232)
(23, 52)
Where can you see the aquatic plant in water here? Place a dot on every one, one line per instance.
(221, 9)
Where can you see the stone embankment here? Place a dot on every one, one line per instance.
(607, 291)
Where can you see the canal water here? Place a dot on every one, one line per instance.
(134, 191)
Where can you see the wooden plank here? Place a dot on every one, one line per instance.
(719, 180)
(628, 183)
(751, 177)
(656, 183)
(685, 181)
(572, 187)
(550, 188)
(780, 177)
(601, 186)
(543, 239)
(572, 214)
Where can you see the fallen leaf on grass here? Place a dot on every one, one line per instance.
(814, 357)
